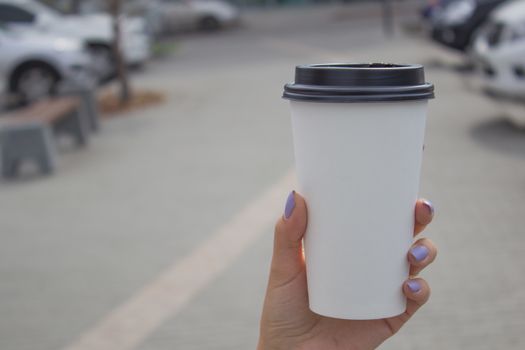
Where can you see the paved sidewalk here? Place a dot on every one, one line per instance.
(154, 186)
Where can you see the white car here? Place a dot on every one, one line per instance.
(499, 54)
(33, 65)
(95, 31)
(168, 16)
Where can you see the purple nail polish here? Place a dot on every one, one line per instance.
(290, 205)
(419, 252)
(414, 286)
(429, 206)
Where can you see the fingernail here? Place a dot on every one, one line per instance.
(290, 205)
(419, 252)
(414, 286)
(430, 207)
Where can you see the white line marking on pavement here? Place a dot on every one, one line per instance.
(131, 323)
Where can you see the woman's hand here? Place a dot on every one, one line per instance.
(287, 322)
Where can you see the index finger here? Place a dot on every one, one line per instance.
(424, 214)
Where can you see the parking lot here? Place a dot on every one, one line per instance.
(159, 234)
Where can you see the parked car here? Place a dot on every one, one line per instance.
(33, 64)
(454, 24)
(433, 7)
(168, 16)
(94, 30)
(499, 54)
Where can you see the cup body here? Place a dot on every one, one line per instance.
(358, 167)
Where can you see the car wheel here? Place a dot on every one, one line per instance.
(102, 62)
(209, 23)
(34, 81)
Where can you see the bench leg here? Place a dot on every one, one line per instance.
(46, 164)
(92, 110)
(89, 103)
(27, 142)
(9, 166)
(82, 127)
(76, 125)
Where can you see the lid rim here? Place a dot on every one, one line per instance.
(358, 98)
(362, 82)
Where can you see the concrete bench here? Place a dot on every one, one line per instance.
(87, 93)
(27, 133)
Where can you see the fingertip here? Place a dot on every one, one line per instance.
(300, 202)
(424, 211)
(289, 206)
(417, 289)
(293, 221)
(295, 206)
(424, 214)
(288, 259)
(422, 253)
(429, 206)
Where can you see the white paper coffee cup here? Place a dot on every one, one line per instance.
(358, 136)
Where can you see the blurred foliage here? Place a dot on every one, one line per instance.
(160, 48)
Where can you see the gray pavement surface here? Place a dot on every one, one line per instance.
(156, 183)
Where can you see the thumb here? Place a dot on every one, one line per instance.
(288, 261)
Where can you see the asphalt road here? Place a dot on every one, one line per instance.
(159, 235)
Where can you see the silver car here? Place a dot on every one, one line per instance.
(95, 30)
(33, 65)
(167, 16)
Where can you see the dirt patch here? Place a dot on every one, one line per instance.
(110, 105)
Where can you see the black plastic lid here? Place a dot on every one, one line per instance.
(365, 82)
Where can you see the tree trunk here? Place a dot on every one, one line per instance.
(75, 6)
(122, 71)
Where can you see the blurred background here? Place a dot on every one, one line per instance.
(146, 154)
